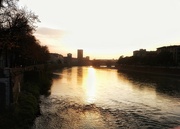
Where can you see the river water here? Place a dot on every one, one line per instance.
(100, 98)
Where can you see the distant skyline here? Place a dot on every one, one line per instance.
(106, 29)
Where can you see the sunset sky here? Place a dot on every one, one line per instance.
(106, 28)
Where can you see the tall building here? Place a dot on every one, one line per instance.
(80, 56)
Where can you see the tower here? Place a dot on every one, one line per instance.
(69, 59)
(80, 56)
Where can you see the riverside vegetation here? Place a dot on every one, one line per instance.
(20, 48)
(22, 114)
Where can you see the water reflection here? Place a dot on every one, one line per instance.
(162, 84)
(132, 100)
(57, 75)
(163, 91)
(90, 85)
(80, 75)
(69, 74)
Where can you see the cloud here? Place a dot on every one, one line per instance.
(51, 38)
(49, 32)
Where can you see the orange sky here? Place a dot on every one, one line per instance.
(106, 28)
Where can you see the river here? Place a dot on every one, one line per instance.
(100, 98)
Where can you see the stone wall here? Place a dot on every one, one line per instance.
(10, 83)
(168, 71)
(5, 85)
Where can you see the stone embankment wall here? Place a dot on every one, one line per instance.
(5, 87)
(16, 81)
(10, 83)
(169, 71)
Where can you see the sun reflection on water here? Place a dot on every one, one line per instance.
(90, 85)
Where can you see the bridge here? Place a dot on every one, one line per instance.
(104, 63)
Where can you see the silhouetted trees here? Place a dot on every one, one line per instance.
(18, 45)
(164, 58)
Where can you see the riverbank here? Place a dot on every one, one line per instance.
(21, 114)
(151, 70)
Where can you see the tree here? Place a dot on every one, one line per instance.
(16, 36)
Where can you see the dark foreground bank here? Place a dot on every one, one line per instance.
(21, 115)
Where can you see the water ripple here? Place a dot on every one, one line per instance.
(65, 113)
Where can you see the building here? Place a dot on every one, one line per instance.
(69, 59)
(175, 50)
(69, 55)
(86, 61)
(87, 58)
(140, 53)
(80, 56)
